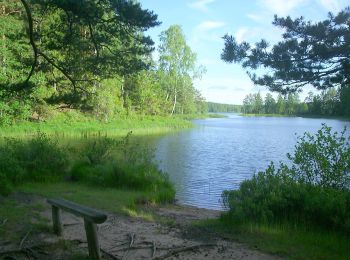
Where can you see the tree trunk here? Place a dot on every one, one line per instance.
(174, 105)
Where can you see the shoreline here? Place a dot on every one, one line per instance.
(171, 230)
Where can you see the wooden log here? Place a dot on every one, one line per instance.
(56, 219)
(92, 239)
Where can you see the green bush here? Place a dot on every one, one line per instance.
(314, 190)
(36, 159)
(122, 164)
(322, 159)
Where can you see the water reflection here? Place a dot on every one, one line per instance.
(219, 153)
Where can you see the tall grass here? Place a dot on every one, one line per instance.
(119, 163)
(282, 239)
(76, 124)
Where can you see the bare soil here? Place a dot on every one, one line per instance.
(171, 236)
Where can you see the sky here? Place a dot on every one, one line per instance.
(205, 22)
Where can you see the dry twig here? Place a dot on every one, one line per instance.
(109, 254)
(176, 251)
(24, 238)
(153, 249)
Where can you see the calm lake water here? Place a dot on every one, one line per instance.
(220, 153)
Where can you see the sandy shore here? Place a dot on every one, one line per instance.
(124, 237)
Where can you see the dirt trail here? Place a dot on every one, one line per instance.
(135, 238)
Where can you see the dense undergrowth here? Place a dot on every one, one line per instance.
(101, 161)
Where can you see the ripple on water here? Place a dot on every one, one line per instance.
(220, 153)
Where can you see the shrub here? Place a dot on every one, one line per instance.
(313, 190)
(124, 164)
(322, 159)
(36, 159)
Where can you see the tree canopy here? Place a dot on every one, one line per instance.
(310, 53)
(79, 41)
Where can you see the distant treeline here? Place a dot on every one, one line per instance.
(225, 108)
(331, 102)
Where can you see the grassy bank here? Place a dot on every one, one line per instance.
(283, 240)
(74, 124)
(342, 118)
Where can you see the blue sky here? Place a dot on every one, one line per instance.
(204, 22)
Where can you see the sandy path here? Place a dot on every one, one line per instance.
(151, 238)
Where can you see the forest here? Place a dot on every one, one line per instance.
(60, 55)
(330, 102)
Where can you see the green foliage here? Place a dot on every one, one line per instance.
(91, 45)
(72, 54)
(330, 102)
(284, 240)
(13, 109)
(101, 162)
(146, 94)
(253, 103)
(313, 190)
(177, 70)
(226, 108)
(106, 102)
(344, 96)
(310, 53)
(322, 159)
(121, 164)
(37, 159)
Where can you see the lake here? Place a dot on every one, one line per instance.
(219, 153)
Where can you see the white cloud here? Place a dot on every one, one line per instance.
(254, 34)
(209, 25)
(201, 5)
(256, 17)
(334, 5)
(206, 32)
(281, 7)
(242, 34)
(230, 90)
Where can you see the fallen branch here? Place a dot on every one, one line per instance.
(132, 248)
(29, 249)
(132, 236)
(176, 251)
(154, 250)
(24, 238)
(109, 254)
(121, 244)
